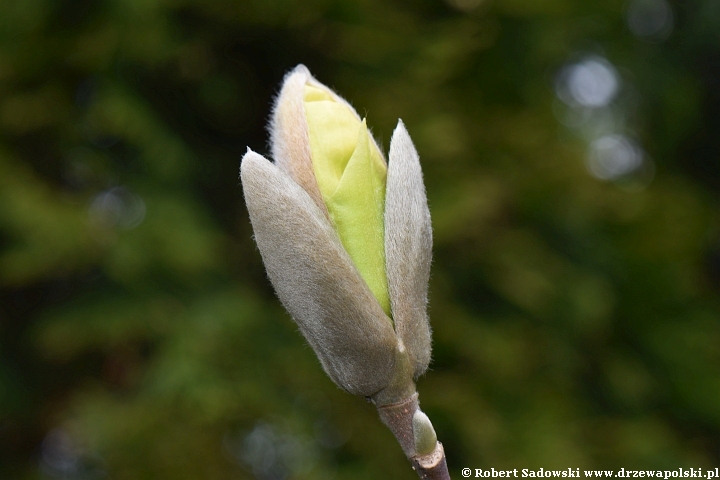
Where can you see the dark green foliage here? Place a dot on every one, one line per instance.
(575, 319)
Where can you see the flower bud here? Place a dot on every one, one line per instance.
(346, 240)
(424, 437)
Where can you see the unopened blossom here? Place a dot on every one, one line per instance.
(346, 240)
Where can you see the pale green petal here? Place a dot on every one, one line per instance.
(356, 208)
(351, 175)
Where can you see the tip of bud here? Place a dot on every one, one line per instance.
(300, 68)
(401, 133)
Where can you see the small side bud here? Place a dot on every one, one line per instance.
(423, 434)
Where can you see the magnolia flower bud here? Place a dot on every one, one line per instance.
(346, 240)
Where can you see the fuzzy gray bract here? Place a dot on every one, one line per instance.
(408, 248)
(316, 280)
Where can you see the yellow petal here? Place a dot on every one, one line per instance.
(333, 136)
(351, 174)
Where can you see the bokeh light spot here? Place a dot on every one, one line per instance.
(593, 82)
(117, 207)
(613, 156)
(650, 19)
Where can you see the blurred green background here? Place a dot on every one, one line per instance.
(570, 151)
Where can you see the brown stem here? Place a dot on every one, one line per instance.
(398, 417)
(432, 466)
